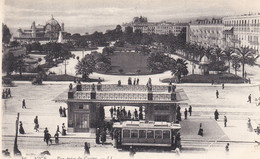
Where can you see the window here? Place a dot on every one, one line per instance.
(126, 133)
(158, 134)
(134, 133)
(166, 134)
(142, 133)
(150, 134)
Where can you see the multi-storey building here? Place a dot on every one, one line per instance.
(242, 31)
(155, 27)
(232, 31)
(206, 32)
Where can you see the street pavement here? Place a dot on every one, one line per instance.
(232, 103)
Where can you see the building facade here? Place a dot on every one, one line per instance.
(48, 32)
(242, 31)
(231, 31)
(162, 28)
(86, 101)
(206, 32)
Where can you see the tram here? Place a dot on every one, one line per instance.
(141, 133)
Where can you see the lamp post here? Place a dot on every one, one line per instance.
(16, 150)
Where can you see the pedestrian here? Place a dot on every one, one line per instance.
(6, 153)
(131, 151)
(223, 86)
(63, 129)
(227, 147)
(129, 81)
(137, 81)
(36, 123)
(64, 112)
(45, 134)
(134, 81)
(190, 110)
(200, 130)
(216, 114)
(129, 114)
(185, 113)
(58, 129)
(56, 136)
(9, 91)
(48, 138)
(212, 82)
(23, 104)
(119, 83)
(136, 114)
(87, 147)
(103, 137)
(70, 86)
(75, 80)
(60, 111)
(249, 125)
(3, 94)
(170, 87)
(111, 111)
(97, 136)
(249, 98)
(249, 81)
(178, 111)
(225, 121)
(21, 130)
(217, 93)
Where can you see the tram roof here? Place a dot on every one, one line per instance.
(145, 125)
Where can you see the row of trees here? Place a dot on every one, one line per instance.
(159, 62)
(218, 57)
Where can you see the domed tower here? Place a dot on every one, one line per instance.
(52, 28)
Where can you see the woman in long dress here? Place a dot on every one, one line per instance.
(21, 130)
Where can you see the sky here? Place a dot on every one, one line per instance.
(92, 13)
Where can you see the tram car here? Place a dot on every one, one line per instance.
(144, 134)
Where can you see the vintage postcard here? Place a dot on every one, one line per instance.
(98, 79)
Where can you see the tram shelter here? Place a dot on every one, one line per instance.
(85, 100)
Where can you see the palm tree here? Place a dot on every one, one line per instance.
(247, 56)
(218, 53)
(179, 68)
(208, 52)
(228, 52)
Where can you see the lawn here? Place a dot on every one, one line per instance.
(129, 63)
(217, 78)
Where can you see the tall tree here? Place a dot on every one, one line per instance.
(247, 56)
(6, 35)
(228, 52)
(9, 63)
(180, 68)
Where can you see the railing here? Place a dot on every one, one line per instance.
(87, 95)
(133, 88)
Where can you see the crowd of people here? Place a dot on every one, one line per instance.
(134, 82)
(6, 93)
(120, 113)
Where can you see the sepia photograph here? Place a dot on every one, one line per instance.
(130, 79)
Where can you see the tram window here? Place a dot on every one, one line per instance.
(166, 134)
(142, 133)
(158, 134)
(134, 133)
(126, 133)
(150, 134)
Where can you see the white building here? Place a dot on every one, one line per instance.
(242, 31)
(206, 32)
(161, 28)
